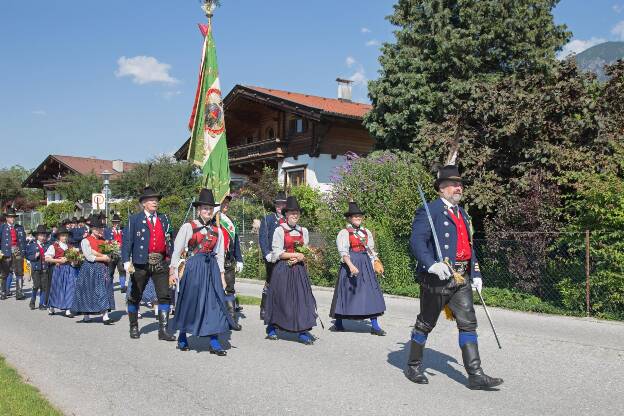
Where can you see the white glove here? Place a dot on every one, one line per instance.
(441, 269)
(127, 267)
(477, 283)
(239, 266)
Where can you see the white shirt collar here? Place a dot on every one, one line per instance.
(147, 213)
(447, 203)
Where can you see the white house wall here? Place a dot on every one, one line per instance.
(318, 170)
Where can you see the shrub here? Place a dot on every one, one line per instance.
(53, 213)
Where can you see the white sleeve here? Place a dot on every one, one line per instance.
(89, 255)
(50, 252)
(306, 236)
(342, 243)
(181, 241)
(370, 245)
(277, 247)
(220, 251)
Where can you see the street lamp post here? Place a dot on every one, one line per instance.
(106, 176)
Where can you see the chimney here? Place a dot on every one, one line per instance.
(344, 89)
(118, 165)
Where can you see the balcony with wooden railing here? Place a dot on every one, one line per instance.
(256, 151)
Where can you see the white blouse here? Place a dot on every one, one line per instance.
(277, 247)
(342, 242)
(181, 244)
(50, 252)
(88, 253)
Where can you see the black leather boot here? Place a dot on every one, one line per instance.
(163, 320)
(231, 308)
(237, 308)
(133, 317)
(477, 379)
(262, 303)
(2, 286)
(415, 371)
(19, 293)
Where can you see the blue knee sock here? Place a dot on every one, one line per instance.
(163, 307)
(214, 342)
(9, 282)
(122, 280)
(419, 337)
(270, 330)
(304, 336)
(132, 308)
(33, 294)
(338, 323)
(182, 341)
(466, 337)
(375, 324)
(42, 296)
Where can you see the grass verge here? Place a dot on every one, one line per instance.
(17, 398)
(248, 300)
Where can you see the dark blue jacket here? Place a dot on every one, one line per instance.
(108, 233)
(267, 229)
(76, 236)
(36, 263)
(136, 238)
(235, 248)
(5, 238)
(421, 240)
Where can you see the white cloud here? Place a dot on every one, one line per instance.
(365, 30)
(579, 45)
(618, 30)
(144, 70)
(350, 61)
(39, 112)
(373, 42)
(359, 76)
(618, 8)
(170, 94)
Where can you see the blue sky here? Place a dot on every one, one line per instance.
(116, 78)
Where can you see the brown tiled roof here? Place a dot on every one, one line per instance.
(86, 165)
(328, 105)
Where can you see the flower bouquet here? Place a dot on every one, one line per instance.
(110, 248)
(307, 251)
(74, 256)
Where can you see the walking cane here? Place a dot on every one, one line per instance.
(487, 313)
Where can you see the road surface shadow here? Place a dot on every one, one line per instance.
(355, 326)
(202, 344)
(433, 360)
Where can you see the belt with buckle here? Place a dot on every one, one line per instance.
(461, 267)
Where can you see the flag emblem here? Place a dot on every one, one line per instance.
(214, 121)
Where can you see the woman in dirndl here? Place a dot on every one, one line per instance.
(290, 304)
(201, 308)
(357, 294)
(64, 275)
(94, 285)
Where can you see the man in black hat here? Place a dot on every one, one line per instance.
(265, 239)
(35, 253)
(147, 244)
(12, 247)
(443, 287)
(115, 233)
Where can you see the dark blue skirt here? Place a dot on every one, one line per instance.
(201, 309)
(63, 286)
(149, 293)
(94, 289)
(290, 304)
(357, 297)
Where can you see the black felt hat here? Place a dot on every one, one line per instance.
(149, 192)
(116, 218)
(291, 205)
(206, 197)
(280, 197)
(62, 230)
(11, 212)
(353, 210)
(447, 173)
(97, 222)
(41, 229)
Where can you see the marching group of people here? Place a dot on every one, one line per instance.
(191, 274)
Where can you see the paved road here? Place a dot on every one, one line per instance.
(551, 365)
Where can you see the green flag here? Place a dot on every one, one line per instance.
(208, 147)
